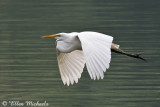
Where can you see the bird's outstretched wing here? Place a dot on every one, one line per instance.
(96, 48)
(71, 66)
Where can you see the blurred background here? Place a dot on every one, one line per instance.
(28, 64)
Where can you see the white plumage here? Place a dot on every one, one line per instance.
(96, 48)
(90, 48)
(71, 66)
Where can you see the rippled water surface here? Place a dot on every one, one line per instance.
(28, 64)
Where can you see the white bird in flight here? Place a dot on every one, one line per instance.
(76, 49)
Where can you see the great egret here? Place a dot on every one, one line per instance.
(76, 49)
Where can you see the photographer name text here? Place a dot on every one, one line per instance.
(25, 103)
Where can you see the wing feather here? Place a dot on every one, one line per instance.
(71, 70)
(71, 66)
(97, 52)
(99, 67)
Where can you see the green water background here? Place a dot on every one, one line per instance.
(28, 64)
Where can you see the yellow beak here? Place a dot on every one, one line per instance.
(49, 36)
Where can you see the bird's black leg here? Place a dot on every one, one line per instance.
(131, 55)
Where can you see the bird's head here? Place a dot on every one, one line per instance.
(58, 36)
